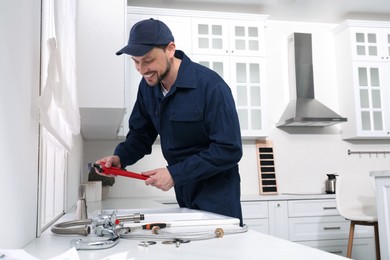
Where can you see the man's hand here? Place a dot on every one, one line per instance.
(109, 161)
(159, 178)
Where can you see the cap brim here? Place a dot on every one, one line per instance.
(135, 49)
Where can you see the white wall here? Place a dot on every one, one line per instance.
(303, 157)
(19, 89)
(19, 74)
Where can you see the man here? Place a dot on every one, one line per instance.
(193, 111)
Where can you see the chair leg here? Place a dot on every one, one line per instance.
(377, 247)
(350, 239)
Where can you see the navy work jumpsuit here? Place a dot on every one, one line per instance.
(200, 137)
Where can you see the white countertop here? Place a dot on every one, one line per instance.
(249, 245)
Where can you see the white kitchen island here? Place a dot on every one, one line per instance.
(248, 245)
(382, 184)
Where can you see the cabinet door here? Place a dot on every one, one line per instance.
(372, 98)
(100, 33)
(181, 30)
(219, 64)
(370, 44)
(278, 219)
(228, 37)
(246, 38)
(210, 36)
(255, 215)
(248, 86)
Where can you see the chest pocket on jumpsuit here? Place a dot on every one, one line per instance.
(188, 126)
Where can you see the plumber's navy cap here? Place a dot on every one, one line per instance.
(145, 35)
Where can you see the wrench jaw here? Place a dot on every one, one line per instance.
(114, 171)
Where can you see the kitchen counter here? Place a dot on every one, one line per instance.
(282, 196)
(249, 245)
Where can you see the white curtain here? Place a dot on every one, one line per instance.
(59, 112)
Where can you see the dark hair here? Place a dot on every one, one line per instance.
(162, 46)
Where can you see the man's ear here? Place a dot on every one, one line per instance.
(171, 49)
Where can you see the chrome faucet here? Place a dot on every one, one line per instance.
(81, 206)
(107, 223)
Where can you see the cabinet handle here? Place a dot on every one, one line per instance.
(328, 208)
(336, 252)
(332, 228)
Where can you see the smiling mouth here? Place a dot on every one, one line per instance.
(149, 75)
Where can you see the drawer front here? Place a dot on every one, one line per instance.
(312, 208)
(254, 209)
(317, 228)
(363, 248)
(259, 225)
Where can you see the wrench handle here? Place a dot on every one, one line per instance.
(119, 172)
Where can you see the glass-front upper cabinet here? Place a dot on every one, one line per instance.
(210, 36)
(371, 44)
(228, 37)
(363, 71)
(247, 38)
(245, 76)
(372, 98)
(247, 79)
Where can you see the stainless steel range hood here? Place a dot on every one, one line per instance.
(304, 109)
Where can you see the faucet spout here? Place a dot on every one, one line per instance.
(81, 206)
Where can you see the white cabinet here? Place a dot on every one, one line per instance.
(363, 248)
(370, 43)
(228, 37)
(363, 59)
(278, 219)
(256, 215)
(245, 76)
(317, 223)
(382, 184)
(234, 48)
(100, 33)
(311, 221)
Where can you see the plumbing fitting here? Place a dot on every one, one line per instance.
(105, 224)
(79, 244)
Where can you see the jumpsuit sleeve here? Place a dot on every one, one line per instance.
(141, 135)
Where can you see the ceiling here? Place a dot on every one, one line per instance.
(328, 11)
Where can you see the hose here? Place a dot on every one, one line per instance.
(74, 227)
(192, 236)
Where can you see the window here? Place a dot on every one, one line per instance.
(52, 181)
(59, 113)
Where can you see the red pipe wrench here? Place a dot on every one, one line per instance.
(117, 171)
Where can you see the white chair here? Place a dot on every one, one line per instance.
(355, 201)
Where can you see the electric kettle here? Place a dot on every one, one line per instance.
(330, 184)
